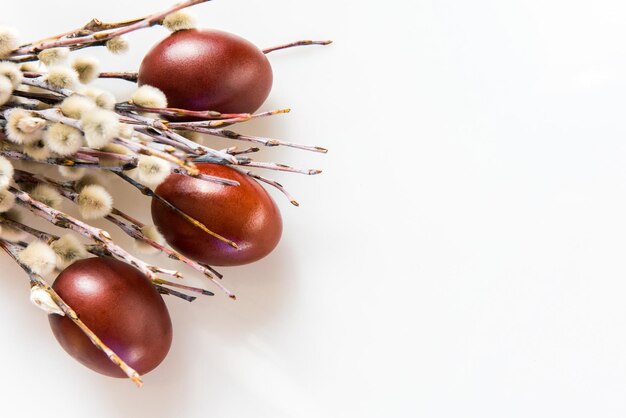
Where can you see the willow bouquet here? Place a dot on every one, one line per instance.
(208, 208)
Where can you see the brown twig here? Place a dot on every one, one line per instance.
(149, 192)
(272, 183)
(297, 43)
(134, 231)
(12, 250)
(101, 36)
(98, 235)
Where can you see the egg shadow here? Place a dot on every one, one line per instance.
(262, 290)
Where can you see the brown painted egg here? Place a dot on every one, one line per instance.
(121, 306)
(245, 214)
(208, 70)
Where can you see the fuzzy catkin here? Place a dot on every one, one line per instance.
(148, 96)
(61, 78)
(86, 68)
(11, 71)
(39, 257)
(100, 127)
(94, 202)
(6, 173)
(63, 140)
(8, 41)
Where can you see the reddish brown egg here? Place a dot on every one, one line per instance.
(121, 306)
(245, 214)
(208, 70)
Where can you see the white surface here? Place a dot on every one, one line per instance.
(462, 255)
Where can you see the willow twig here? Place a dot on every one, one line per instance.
(297, 43)
(268, 142)
(103, 35)
(134, 231)
(98, 235)
(272, 183)
(128, 76)
(149, 192)
(12, 250)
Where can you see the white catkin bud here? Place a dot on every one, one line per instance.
(6, 173)
(6, 90)
(180, 20)
(39, 257)
(7, 200)
(126, 131)
(68, 249)
(31, 67)
(37, 150)
(151, 170)
(47, 195)
(42, 299)
(8, 41)
(72, 173)
(100, 127)
(106, 100)
(151, 232)
(117, 45)
(8, 232)
(148, 96)
(87, 69)
(11, 71)
(22, 127)
(53, 56)
(63, 139)
(94, 202)
(86, 180)
(61, 78)
(74, 106)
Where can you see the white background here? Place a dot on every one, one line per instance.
(461, 256)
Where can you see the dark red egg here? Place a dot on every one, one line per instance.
(121, 306)
(245, 214)
(208, 70)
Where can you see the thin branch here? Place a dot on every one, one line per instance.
(272, 183)
(98, 235)
(12, 250)
(149, 192)
(135, 232)
(103, 35)
(297, 43)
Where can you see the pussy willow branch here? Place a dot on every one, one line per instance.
(108, 74)
(101, 251)
(133, 231)
(237, 151)
(224, 133)
(46, 237)
(12, 250)
(55, 115)
(164, 129)
(98, 235)
(98, 250)
(212, 118)
(142, 188)
(149, 192)
(215, 156)
(100, 36)
(62, 162)
(296, 43)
